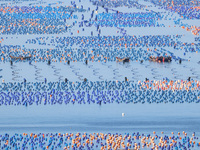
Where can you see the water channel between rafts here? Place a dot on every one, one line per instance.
(143, 118)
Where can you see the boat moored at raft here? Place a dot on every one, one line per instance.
(21, 57)
(160, 59)
(127, 59)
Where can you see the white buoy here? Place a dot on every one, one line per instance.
(123, 114)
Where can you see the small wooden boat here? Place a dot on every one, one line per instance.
(160, 59)
(21, 57)
(123, 59)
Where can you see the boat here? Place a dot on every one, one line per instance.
(160, 59)
(21, 57)
(127, 59)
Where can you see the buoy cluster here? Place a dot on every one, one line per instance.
(99, 141)
(36, 19)
(51, 93)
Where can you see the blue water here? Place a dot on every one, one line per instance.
(143, 118)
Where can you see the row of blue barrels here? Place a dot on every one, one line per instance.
(131, 16)
(110, 41)
(41, 26)
(116, 4)
(187, 12)
(124, 23)
(172, 3)
(101, 85)
(149, 41)
(42, 9)
(187, 9)
(56, 97)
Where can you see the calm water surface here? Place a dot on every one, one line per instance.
(143, 118)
